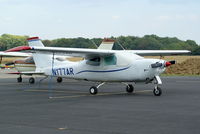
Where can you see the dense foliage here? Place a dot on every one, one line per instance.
(147, 42)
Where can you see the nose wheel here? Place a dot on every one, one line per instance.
(157, 91)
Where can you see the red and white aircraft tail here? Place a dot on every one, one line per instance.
(41, 60)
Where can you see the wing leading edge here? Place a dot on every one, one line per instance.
(87, 53)
(159, 52)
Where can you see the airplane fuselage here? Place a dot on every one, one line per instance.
(121, 67)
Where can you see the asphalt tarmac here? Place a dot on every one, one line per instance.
(68, 108)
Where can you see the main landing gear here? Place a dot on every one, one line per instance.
(19, 79)
(59, 79)
(31, 80)
(94, 89)
(129, 88)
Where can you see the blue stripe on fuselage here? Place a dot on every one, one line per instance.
(102, 71)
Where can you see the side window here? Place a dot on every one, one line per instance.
(110, 60)
(94, 61)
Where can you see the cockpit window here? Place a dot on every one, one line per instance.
(110, 60)
(94, 61)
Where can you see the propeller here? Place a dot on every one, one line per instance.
(169, 63)
(166, 64)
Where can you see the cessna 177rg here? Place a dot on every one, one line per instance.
(100, 65)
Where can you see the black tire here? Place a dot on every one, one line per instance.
(93, 90)
(129, 88)
(19, 79)
(31, 80)
(59, 79)
(157, 92)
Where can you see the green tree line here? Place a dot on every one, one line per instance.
(148, 42)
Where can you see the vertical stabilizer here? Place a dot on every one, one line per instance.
(107, 44)
(41, 60)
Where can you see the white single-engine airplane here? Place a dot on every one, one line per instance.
(100, 65)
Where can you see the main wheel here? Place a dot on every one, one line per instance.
(19, 79)
(93, 90)
(157, 91)
(129, 88)
(59, 79)
(31, 80)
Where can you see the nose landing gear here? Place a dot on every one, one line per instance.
(157, 90)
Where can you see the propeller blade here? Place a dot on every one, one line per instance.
(172, 62)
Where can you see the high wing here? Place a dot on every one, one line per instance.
(15, 54)
(159, 52)
(77, 52)
(81, 52)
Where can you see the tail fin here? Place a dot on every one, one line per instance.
(41, 60)
(35, 42)
(107, 44)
